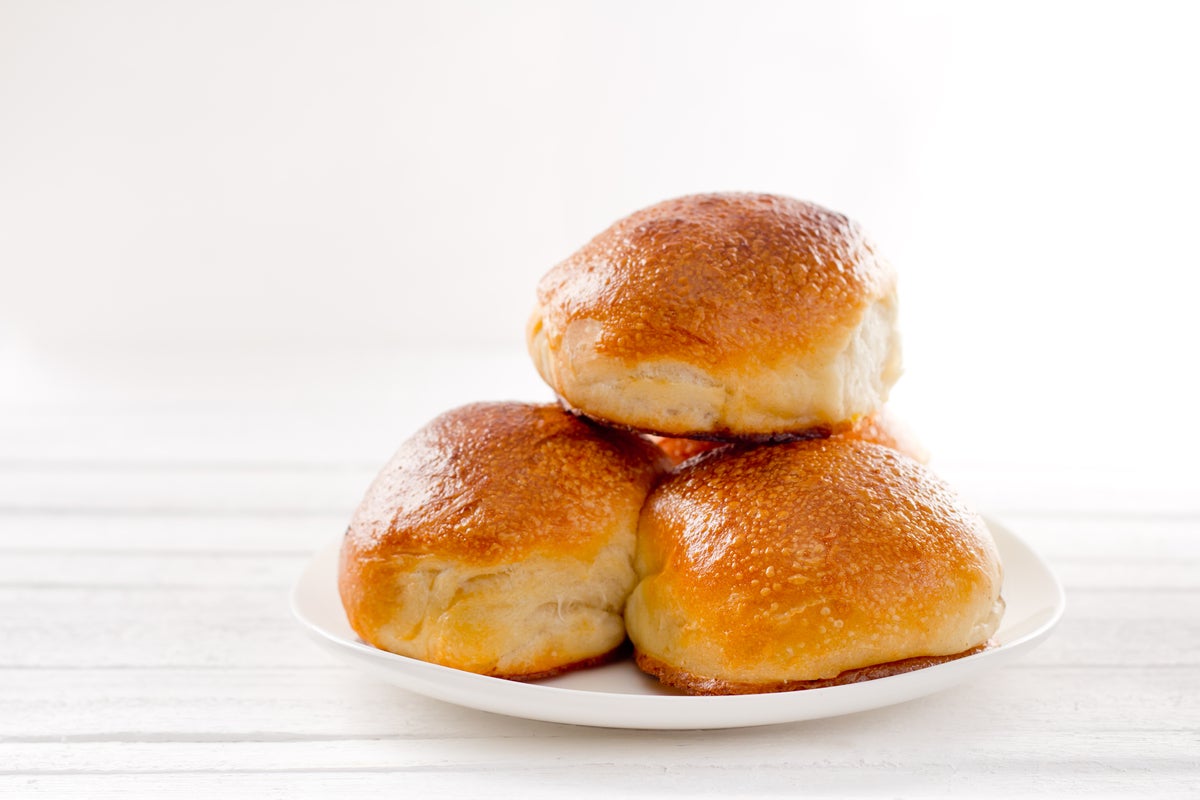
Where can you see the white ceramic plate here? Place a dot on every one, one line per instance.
(619, 695)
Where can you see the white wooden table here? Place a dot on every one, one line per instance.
(155, 508)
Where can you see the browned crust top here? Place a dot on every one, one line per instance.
(492, 483)
(833, 536)
(709, 278)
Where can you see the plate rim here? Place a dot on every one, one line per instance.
(591, 707)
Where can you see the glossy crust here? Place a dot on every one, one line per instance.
(722, 313)
(880, 428)
(499, 539)
(798, 562)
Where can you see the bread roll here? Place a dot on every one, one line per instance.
(804, 564)
(499, 540)
(721, 315)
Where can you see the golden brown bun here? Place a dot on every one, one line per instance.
(881, 428)
(728, 315)
(774, 566)
(499, 540)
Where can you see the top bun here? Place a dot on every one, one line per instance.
(732, 316)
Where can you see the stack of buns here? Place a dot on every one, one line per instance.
(720, 482)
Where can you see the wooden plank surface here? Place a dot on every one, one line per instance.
(148, 539)
(184, 663)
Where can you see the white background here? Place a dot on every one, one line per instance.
(301, 177)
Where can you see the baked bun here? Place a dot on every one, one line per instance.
(721, 316)
(881, 428)
(806, 564)
(499, 540)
